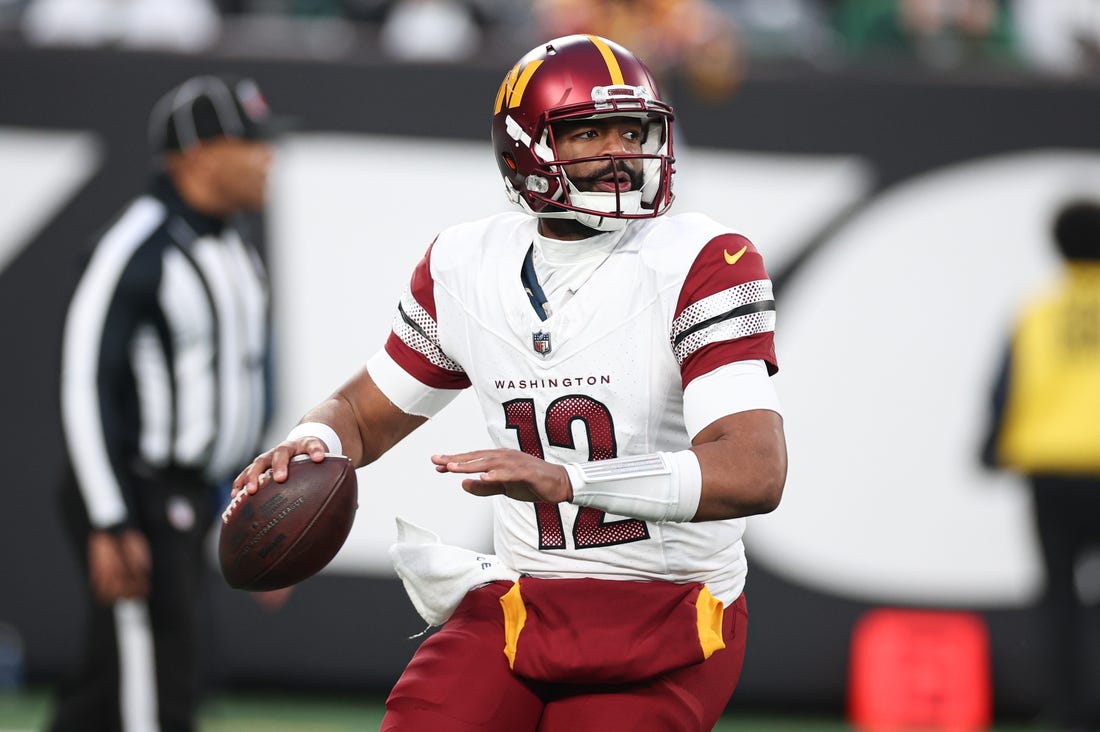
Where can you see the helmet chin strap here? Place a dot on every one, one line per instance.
(600, 223)
(630, 202)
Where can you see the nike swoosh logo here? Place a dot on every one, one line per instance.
(732, 258)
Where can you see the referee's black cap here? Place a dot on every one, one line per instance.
(208, 107)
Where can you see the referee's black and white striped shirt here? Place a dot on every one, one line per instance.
(164, 358)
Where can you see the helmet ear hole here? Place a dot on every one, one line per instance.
(510, 161)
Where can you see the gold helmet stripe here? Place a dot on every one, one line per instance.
(511, 90)
(509, 77)
(609, 59)
(521, 83)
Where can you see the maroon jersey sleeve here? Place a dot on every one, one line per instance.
(414, 340)
(726, 310)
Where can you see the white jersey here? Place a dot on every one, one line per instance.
(602, 376)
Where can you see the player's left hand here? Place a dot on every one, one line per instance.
(512, 473)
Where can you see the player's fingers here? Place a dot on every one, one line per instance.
(239, 483)
(280, 459)
(510, 472)
(249, 479)
(284, 452)
(443, 462)
(313, 447)
(467, 457)
(481, 488)
(253, 479)
(465, 464)
(485, 485)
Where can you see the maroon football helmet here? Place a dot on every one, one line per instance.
(574, 78)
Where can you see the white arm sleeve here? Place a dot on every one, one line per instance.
(736, 387)
(405, 391)
(661, 486)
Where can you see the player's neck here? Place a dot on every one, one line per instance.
(566, 229)
(559, 252)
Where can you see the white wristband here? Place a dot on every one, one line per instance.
(322, 432)
(662, 486)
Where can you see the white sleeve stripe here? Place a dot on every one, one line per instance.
(82, 420)
(411, 312)
(406, 392)
(417, 330)
(154, 389)
(186, 308)
(741, 386)
(725, 330)
(720, 303)
(764, 306)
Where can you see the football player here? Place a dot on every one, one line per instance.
(621, 357)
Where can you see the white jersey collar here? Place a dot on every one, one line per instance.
(558, 252)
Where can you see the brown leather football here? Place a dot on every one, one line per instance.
(287, 532)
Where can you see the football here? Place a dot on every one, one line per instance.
(287, 532)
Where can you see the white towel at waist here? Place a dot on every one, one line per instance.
(437, 576)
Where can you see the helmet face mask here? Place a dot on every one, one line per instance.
(572, 80)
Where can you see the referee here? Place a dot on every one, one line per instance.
(164, 387)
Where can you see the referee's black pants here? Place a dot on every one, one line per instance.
(139, 671)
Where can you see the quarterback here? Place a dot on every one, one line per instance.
(621, 356)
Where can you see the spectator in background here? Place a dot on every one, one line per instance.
(1059, 37)
(408, 30)
(936, 33)
(798, 30)
(164, 397)
(178, 25)
(1046, 426)
(690, 37)
(430, 30)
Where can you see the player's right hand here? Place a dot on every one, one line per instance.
(276, 460)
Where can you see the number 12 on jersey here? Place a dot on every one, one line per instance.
(590, 528)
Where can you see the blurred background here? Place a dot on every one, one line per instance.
(898, 163)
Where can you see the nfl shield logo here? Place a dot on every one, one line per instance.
(541, 343)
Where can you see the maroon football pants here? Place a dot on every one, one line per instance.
(459, 681)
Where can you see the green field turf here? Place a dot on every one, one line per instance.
(27, 711)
